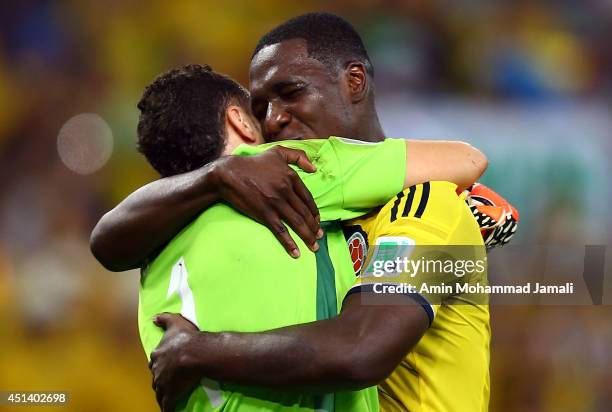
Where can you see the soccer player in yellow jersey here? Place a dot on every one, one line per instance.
(448, 369)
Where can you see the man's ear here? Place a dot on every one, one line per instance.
(357, 81)
(241, 124)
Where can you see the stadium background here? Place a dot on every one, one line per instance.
(529, 82)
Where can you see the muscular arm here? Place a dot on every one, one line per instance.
(147, 219)
(359, 348)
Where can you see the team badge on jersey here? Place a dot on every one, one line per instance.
(357, 241)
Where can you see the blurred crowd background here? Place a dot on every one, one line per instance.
(528, 82)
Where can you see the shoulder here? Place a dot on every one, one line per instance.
(429, 212)
(429, 201)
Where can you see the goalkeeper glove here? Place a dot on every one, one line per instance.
(497, 218)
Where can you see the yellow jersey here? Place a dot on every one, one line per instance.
(448, 369)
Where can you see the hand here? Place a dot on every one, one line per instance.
(173, 377)
(266, 189)
(497, 218)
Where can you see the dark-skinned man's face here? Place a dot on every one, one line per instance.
(295, 96)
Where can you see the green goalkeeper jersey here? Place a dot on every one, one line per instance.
(226, 272)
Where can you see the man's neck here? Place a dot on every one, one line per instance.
(371, 131)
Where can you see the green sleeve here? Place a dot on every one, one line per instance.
(352, 177)
(372, 173)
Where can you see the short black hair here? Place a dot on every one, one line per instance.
(182, 118)
(330, 39)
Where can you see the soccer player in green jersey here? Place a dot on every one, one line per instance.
(227, 272)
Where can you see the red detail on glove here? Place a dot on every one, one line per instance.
(485, 196)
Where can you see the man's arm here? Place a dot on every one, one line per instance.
(451, 161)
(358, 349)
(261, 186)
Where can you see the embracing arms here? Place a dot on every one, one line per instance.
(263, 187)
(359, 348)
(146, 220)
